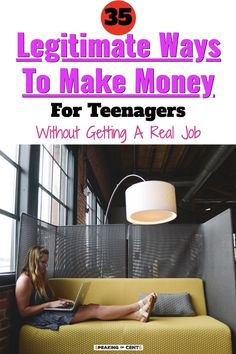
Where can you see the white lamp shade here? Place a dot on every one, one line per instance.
(150, 202)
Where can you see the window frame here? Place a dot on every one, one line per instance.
(94, 208)
(27, 191)
(7, 278)
(67, 203)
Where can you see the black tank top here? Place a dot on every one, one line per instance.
(37, 299)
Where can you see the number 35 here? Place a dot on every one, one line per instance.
(122, 17)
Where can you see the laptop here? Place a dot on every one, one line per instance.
(83, 289)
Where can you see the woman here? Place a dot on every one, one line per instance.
(33, 295)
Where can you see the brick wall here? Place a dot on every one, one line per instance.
(8, 335)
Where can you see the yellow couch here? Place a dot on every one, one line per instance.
(200, 334)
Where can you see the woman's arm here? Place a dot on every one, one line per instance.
(24, 290)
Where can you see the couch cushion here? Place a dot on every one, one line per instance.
(163, 335)
(172, 305)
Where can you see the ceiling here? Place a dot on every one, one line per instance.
(204, 175)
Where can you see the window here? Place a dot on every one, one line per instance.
(37, 180)
(95, 213)
(9, 181)
(54, 176)
(234, 245)
(100, 214)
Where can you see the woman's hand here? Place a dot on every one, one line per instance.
(59, 303)
(68, 302)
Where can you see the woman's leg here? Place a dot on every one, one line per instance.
(113, 312)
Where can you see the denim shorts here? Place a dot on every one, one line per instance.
(50, 319)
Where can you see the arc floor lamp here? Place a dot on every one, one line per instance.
(147, 202)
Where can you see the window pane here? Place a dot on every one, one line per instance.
(94, 214)
(64, 182)
(46, 207)
(11, 151)
(87, 218)
(41, 165)
(39, 203)
(49, 148)
(55, 212)
(56, 180)
(89, 198)
(7, 185)
(46, 173)
(7, 241)
(99, 214)
(62, 215)
(64, 159)
(53, 162)
(57, 153)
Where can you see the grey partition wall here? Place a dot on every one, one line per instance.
(97, 251)
(164, 251)
(35, 232)
(76, 251)
(219, 270)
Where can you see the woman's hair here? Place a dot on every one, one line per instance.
(31, 268)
